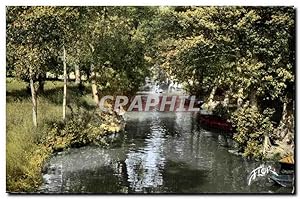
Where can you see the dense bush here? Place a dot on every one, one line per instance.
(82, 128)
(221, 111)
(251, 129)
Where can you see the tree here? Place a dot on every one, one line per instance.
(112, 44)
(24, 46)
(34, 36)
(247, 51)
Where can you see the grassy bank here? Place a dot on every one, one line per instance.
(28, 147)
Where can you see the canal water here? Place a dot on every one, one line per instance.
(163, 152)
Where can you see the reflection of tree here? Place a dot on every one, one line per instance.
(192, 160)
(101, 180)
(202, 151)
(144, 165)
(141, 128)
(180, 178)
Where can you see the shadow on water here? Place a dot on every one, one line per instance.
(180, 178)
(177, 178)
(104, 179)
(162, 153)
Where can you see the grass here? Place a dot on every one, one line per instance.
(26, 151)
(25, 154)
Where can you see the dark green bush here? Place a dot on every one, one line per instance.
(221, 111)
(251, 128)
(82, 128)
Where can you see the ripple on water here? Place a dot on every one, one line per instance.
(163, 152)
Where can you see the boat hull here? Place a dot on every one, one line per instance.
(215, 122)
(285, 180)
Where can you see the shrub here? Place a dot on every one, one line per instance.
(251, 127)
(221, 111)
(81, 128)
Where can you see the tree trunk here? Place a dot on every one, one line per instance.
(94, 85)
(240, 97)
(266, 145)
(77, 75)
(41, 86)
(65, 83)
(253, 98)
(209, 106)
(284, 112)
(34, 100)
(226, 98)
(88, 75)
(212, 94)
(284, 133)
(93, 79)
(200, 84)
(286, 122)
(69, 76)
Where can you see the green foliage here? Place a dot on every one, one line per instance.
(251, 128)
(27, 147)
(243, 47)
(66, 134)
(221, 111)
(82, 128)
(249, 51)
(113, 40)
(35, 36)
(237, 48)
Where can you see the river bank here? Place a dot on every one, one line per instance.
(157, 151)
(28, 148)
(162, 152)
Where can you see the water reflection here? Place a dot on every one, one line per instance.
(144, 166)
(163, 153)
